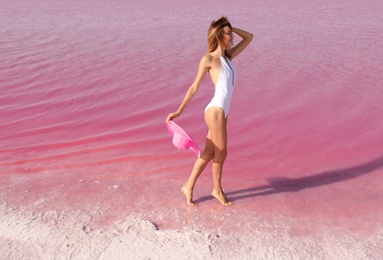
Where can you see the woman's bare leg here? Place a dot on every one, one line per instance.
(216, 121)
(199, 166)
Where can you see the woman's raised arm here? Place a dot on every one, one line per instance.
(246, 39)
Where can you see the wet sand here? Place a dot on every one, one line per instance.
(110, 216)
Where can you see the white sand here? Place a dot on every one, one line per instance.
(29, 234)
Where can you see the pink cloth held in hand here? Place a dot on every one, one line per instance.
(181, 139)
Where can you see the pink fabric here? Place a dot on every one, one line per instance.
(181, 139)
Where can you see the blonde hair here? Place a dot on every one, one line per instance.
(215, 36)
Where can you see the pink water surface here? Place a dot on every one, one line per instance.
(85, 88)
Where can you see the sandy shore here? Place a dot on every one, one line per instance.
(28, 233)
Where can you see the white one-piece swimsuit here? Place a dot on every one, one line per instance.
(224, 86)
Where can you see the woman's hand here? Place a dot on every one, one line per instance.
(171, 116)
(246, 39)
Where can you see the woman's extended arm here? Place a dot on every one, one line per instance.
(246, 39)
(193, 89)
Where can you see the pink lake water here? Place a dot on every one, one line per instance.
(85, 88)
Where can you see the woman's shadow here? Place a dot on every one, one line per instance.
(283, 184)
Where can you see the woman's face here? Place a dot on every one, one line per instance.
(228, 36)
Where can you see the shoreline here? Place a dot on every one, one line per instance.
(77, 215)
(64, 234)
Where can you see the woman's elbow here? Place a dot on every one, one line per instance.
(193, 90)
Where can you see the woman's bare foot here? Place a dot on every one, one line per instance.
(220, 195)
(189, 196)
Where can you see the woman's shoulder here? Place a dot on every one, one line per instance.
(210, 57)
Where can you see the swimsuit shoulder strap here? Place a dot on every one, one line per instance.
(218, 53)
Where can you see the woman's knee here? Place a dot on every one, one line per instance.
(208, 155)
(208, 152)
(220, 155)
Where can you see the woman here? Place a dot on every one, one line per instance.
(218, 63)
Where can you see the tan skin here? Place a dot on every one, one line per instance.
(216, 140)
